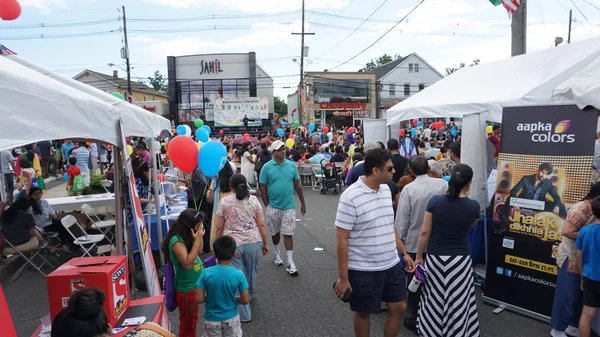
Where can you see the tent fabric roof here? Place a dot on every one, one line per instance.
(583, 87)
(528, 79)
(35, 107)
(136, 121)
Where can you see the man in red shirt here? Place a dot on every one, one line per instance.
(495, 138)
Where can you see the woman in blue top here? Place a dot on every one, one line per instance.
(448, 218)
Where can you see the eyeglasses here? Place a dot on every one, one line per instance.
(389, 169)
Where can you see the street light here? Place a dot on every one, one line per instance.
(558, 40)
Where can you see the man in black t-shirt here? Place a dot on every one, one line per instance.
(338, 157)
(400, 163)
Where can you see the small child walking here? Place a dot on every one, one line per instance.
(588, 260)
(217, 287)
(72, 172)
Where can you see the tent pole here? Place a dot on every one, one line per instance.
(484, 155)
(157, 197)
(117, 180)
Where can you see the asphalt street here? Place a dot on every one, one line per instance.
(285, 306)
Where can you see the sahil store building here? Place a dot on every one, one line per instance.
(196, 81)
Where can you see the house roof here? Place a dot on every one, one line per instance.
(383, 70)
(121, 82)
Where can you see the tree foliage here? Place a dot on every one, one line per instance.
(280, 107)
(158, 82)
(450, 71)
(378, 62)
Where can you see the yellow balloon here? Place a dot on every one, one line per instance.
(289, 143)
(489, 129)
(129, 149)
(199, 145)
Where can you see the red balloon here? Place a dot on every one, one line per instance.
(246, 137)
(415, 122)
(221, 131)
(292, 136)
(441, 124)
(10, 9)
(326, 129)
(351, 129)
(184, 153)
(167, 146)
(402, 132)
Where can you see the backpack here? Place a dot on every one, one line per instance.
(169, 286)
(78, 184)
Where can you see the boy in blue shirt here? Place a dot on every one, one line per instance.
(588, 260)
(217, 287)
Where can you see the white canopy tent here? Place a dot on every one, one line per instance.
(136, 121)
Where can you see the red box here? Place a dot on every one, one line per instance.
(104, 273)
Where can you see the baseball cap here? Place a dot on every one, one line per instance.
(276, 145)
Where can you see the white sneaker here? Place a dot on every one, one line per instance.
(291, 269)
(556, 333)
(572, 331)
(277, 260)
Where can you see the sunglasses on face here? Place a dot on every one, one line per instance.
(389, 169)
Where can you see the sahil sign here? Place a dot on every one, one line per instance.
(210, 67)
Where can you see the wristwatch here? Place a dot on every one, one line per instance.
(404, 254)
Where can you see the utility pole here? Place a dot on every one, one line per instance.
(126, 54)
(519, 30)
(301, 86)
(570, 20)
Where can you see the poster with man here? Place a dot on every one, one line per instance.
(544, 167)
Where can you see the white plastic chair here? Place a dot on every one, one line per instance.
(318, 177)
(103, 226)
(306, 174)
(90, 240)
(106, 184)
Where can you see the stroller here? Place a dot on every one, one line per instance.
(331, 179)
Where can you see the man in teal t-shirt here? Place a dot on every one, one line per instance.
(278, 180)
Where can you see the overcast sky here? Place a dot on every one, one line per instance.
(444, 32)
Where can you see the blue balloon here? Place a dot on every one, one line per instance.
(66, 177)
(453, 132)
(420, 124)
(413, 132)
(212, 157)
(180, 130)
(280, 132)
(447, 178)
(311, 127)
(207, 128)
(202, 135)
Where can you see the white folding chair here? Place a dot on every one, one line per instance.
(90, 240)
(29, 261)
(318, 177)
(104, 226)
(106, 184)
(306, 174)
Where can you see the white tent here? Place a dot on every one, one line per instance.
(583, 88)
(528, 79)
(35, 107)
(136, 121)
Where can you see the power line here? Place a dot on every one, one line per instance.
(61, 25)
(354, 31)
(591, 4)
(542, 12)
(343, 10)
(382, 36)
(585, 17)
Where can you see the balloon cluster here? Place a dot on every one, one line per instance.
(9, 10)
(210, 156)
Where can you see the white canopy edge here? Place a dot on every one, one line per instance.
(136, 121)
(35, 107)
(528, 79)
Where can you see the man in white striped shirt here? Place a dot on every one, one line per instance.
(368, 247)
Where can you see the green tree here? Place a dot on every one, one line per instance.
(280, 107)
(450, 71)
(378, 62)
(158, 82)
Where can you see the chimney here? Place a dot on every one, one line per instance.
(115, 73)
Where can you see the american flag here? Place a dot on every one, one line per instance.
(5, 51)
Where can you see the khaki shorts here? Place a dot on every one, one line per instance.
(281, 221)
(30, 245)
(230, 328)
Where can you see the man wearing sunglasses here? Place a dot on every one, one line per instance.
(368, 248)
(278, 179)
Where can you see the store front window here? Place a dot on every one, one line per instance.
(337, 91)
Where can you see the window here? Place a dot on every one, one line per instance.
(406, 89)
(243, 88)
(336, 91)
(421, 86)
(145, 99)
(392, 90)
(413, 67)
(154, 98)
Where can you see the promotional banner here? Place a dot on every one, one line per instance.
(231, 111)
(544, 167)
(141, 231)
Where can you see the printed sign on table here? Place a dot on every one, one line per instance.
(231, 111)
(544, 167)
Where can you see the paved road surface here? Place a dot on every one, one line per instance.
(286, 306)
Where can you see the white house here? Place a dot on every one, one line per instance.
(403, 78)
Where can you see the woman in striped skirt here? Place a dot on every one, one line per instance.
(448, 306)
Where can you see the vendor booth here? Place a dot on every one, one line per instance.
(39, 105)
(555, 78)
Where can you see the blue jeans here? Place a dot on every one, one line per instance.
(568, 299)
(247, 259)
